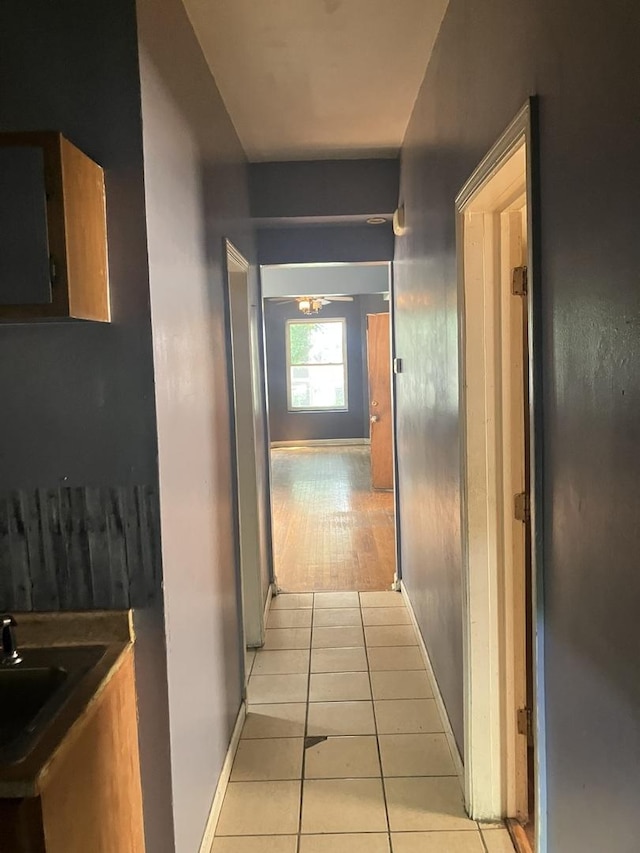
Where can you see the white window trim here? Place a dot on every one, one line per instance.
(343, 364)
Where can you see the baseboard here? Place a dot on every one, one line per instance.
(320, 442)
(223, 781)
(267, 604)
(453, 746)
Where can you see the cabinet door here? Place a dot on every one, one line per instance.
(24, 244)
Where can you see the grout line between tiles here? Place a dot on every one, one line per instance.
(375, 725)
(306, 724)
(482, 838)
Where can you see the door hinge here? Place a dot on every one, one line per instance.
(522, 507)
(519, 281)
(53, 270)
(525, 724)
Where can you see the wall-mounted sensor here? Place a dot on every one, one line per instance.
(399, 226)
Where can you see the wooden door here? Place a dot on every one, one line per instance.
(380, 412)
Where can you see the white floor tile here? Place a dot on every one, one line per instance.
(292, 601)
(281, 661)
(275, 721)
(416, 755)
(381, 599)
(391, 635)
(341, 718)
(260, 808)
(497, 841)
(407, 716)
(339, 687)
(287, 638)
(402, 684)
(334, 638)
(336, 618)
(268, 760)
(339, 660)
(290, 618)
(342, 758)
(466, 841)
(270, 689)
(426, 804)
(369, 842)
(336, 599)
(394, 657)
(385, 616)
(256, 844)
(343, 805)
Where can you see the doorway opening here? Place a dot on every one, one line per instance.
(502, 723)
(244, 380)
(329, 385)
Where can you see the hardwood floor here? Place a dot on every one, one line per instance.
(331, 531)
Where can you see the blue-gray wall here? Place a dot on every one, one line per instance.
(582, 61)
(298, 426)
(77, 398)
(78, 408)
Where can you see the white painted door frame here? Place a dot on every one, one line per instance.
(490, 638)
(244, 361)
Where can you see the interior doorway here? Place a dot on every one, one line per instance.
(498, 507)
(333, 506)
(244, 369)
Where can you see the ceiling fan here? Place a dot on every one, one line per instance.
(313, 304)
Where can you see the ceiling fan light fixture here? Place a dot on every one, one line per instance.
(309, 304)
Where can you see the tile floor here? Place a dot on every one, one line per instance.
(343, 749)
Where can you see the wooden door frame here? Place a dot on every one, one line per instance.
(250, 603)
(484, 647)
(396, 367)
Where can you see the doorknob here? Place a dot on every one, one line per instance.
(374, 419)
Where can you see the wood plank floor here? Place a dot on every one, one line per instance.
(331, 530)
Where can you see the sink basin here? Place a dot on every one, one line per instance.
(34, 691)
(24, 691)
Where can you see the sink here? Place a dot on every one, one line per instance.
(33, 692)
(24, 691)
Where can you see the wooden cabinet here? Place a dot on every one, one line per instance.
(53, 237)
(91, 797)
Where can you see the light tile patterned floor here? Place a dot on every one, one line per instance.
(343, 749)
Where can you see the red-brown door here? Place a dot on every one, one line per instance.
(380, 414)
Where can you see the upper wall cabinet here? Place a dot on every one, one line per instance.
(53, 235)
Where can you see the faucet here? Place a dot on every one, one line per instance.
(10, 655)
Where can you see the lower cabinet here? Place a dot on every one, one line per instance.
(91, 800)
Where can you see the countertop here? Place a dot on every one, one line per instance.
(111, 629)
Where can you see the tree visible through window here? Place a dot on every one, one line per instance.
(317, 364)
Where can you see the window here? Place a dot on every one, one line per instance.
(317, 365)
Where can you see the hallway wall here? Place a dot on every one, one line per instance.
(581, 59)
(76, 407)
(196, 194)
(78, 412)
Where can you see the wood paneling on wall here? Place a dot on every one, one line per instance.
(79, 548)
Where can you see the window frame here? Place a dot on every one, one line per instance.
(344, 364)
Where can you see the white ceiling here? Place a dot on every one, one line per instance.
(314, 79)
